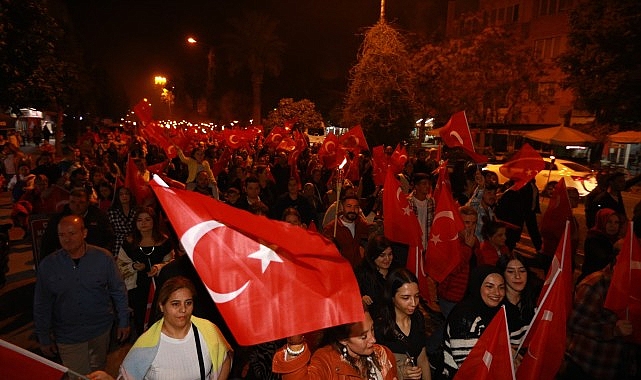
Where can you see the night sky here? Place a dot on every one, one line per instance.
(137, 39)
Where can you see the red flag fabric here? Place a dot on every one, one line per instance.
(400, 224)
(523, 166)
(238, 138)
(398, 159)
(275, 137)
(19, 364)
(624, 294)
(221, 163)
(331, 153)
(380, 162)
(456, 133)
(269, 279)
(559, 210)
(443, 180)
(151, 131)
(312, 227)
(354, 140)
(442, 255)
(491, 357)
(562, 260)
(543, 360)
(134, 181)
(287, 144)
(299, 147)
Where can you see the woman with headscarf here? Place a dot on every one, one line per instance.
(599, 242)
(470, 317)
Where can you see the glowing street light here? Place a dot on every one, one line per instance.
(160, 80)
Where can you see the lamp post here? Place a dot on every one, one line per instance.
(211, 66)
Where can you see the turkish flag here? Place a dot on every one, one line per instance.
(562, 260)
(143, 112)
(543, 360)
(380, 162)
(354, 140)
(222, 162)
(238, 138)
(275, 137)
(399, 221)
(443, 180)
(443, 255)
(398, 159)
(491, 356)
(330, 152)
(19, 364)
(299, 148)
(287, 144)
(523, 166)
(269, 279)
(134, 181)
(456, 133)
(624, 294)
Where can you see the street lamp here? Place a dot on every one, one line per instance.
(211, 60)
(165, 95)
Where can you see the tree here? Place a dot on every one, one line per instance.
(488, 73)
(36, 66)
(603, 59)
(380, 95)
(303, 111)
(252, 43)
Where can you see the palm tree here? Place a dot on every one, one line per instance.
(253, 44)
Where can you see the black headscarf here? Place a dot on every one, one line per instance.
(473, 298)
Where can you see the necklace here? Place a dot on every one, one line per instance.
(150, 252)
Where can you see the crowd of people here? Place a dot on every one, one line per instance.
(108, 243)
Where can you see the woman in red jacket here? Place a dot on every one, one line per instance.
(350, 352)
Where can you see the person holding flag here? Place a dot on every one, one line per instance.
(596, 343)
(348, 351)
(470, 317)
(140, 259)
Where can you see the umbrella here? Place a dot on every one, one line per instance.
(560, 136)
(627, 137)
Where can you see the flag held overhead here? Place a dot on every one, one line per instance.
(269, 279)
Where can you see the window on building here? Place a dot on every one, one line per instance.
(548, 48)
(551, 7)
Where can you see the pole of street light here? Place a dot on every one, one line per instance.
(211, 67)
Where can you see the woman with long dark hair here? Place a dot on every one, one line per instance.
(402, 326)
(373, 271)
(121, 215)
(141, 257)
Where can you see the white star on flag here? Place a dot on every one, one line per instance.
(436, 239)
(266, 256)
(406, 210)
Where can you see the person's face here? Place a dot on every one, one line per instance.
(613, 225)
(293, 220)
(489, 197)
(199, 155)
(72, 236)
(351, 209)
(292, 187)
(78, 205)
(406, 299)
(469, 221)
(105, 192)
(98, 177)
(232, 196)
(492, 178)
(124, 195)
(422, 187)
(178, 308)
(361, 340)
(515, 276)
(498, 239)
(144, 222)
(252, 189)
(384, 260)
(24, 171)
(493, 290)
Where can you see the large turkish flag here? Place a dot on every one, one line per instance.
(269, 279)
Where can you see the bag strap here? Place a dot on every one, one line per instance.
(201, 361)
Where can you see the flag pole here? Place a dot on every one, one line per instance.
(339, 185)
(627, 308)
